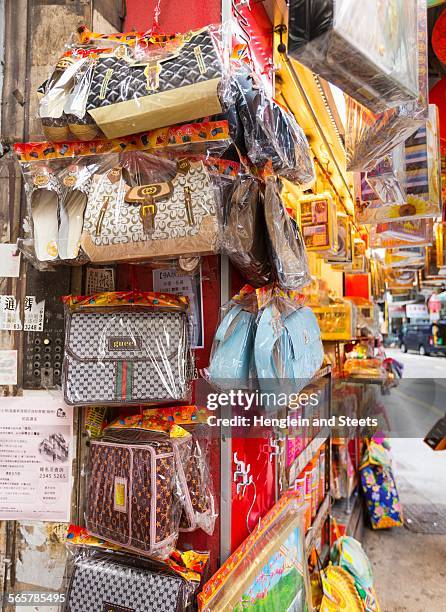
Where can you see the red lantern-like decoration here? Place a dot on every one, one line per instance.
(437, 95)
(439, 37)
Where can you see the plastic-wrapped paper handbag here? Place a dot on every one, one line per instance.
(137, 487)
(177, 217)
(126, 348)
(231, 363)
(119, 583)
(368, 49)
(288, 349)
(244, 236)
(287, 246)
(176, 82)
(379, 488)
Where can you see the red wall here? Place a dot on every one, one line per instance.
(175, 15)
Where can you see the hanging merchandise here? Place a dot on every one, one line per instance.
(232, 354)
(268, 571)
(368, 50)
(423, 184)
(137, 486)
(263, 131)
(397, 234)
(388, 178)
(101, 580)
(244, 234)
(126, 348)
(379, 488)
(128, 88)
(107, 201)
(409, 257)
(288, 350)
(344, 253)
(370, 137)
(318, 222)
(285, 239)
(400, 279)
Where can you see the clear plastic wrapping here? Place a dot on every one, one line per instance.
(244, 236)
(232, 355)
(318, 221)
(388, 178)
(146, 482)
(368, 49)
(103, 580)
(126, 348)
(423, 181)
(285, 238)
(418, 232)
(264, 131)
(110, 202)
(268, 571)
(288, 349)
(369, 136)
(127, 85)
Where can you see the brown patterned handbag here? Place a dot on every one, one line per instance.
(137, 490)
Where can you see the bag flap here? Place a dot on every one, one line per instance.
(144, 335)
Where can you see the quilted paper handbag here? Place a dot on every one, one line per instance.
(179, 84)
(121, 352)
(135, 478)
(105, 582)
(160, 220)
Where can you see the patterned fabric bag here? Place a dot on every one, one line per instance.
(120, 352)
(104, 582)
(157, 220)
(137, 489)
(379, 488)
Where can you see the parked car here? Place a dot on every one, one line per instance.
(426, 338)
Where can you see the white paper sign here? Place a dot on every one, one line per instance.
(189, 285)
(36, 438)
(9, 314)
(8, 367)
(34, 314)
(9, 260)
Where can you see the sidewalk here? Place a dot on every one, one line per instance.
(410, 568)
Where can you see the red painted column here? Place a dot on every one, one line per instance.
(174, 16)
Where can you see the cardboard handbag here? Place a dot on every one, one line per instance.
(137, 489)
(160, 220)
(130, 95)
(119, 583)
(122, 353)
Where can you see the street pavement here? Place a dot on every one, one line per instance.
(410, 568)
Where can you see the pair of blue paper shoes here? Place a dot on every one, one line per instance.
(280, 349)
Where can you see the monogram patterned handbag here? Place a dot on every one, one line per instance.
(103, 582)
(130, 95)
(133, 501)
(126, 353)
(159, 220)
